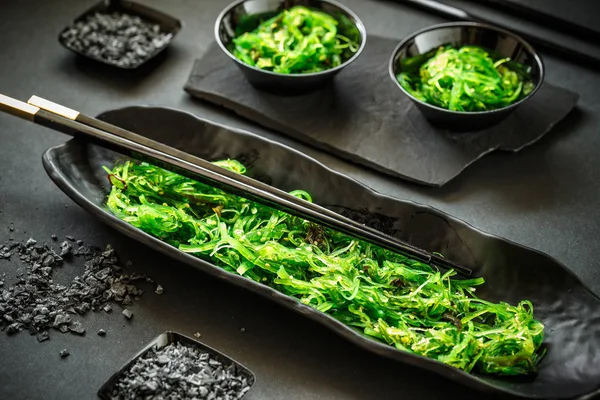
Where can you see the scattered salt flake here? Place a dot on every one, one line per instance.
(128, 314)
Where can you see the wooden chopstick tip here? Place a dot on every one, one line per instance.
(53, 107)
(17, 108)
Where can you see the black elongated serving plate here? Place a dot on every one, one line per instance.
(570, 312)
(165, 339)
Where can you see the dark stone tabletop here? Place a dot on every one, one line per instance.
(545, 197)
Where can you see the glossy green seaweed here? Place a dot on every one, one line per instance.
(298, 40)
(387, 296)
(466, 79)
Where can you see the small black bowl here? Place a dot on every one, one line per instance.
(245, 15)
(168, 25)
(420, 46)
(166, 339)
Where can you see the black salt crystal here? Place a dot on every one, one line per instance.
(35, 303)
(128, 314)
(77, 328)
(65, 249)
(118, 38)
(43, 336)
(14, 328)
(179, 371)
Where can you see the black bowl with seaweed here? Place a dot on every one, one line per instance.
(261, 37)
(466, 76)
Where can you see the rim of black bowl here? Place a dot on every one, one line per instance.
(358, 23)
(529, 48)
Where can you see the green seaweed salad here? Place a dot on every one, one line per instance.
(297, 41)
(466, 79)
(388, 296)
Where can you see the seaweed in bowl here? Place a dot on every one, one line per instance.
(296, 41)
(290, 47)
(466, 78)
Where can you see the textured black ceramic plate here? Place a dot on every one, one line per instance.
(165, 339)
(569, 310)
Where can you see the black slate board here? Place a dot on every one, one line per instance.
(363, 117)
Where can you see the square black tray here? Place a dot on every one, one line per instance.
(168, 24)
(165, 339)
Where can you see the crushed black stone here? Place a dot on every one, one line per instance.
(71, 238)
(159, 290)
(43, 336)
(65, 249)
(54, 237)
(128, 314)
(64, 353)
(79, 242)
(77, 328)
(197, 335)
(178, 371)
(118, 38)
(36, 303)
(101, 332)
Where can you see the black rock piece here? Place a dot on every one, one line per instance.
(101, 332)
(77, 328)
(182, 372)
(42, 336)
(128, 314)
(65, 249)
(64, 353)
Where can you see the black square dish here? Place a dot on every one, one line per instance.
(168, 27)
(168, 338)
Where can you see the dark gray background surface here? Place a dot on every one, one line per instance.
(545, 197)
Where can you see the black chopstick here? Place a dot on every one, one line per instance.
(72, 122)
(456, 13)
(544, 19)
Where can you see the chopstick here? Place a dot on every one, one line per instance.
(452, 12)
(71, 122)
